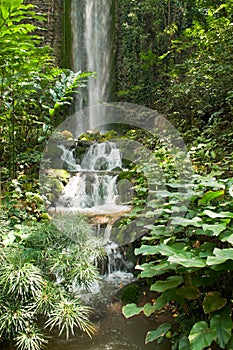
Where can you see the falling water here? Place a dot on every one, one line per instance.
(92, 48)
(93, 189)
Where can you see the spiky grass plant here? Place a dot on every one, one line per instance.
(68, 315)
(30, 262)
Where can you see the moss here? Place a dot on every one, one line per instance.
(67, 35)
(131, 293)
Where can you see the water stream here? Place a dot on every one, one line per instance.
(114, 332)
(92, 48)
(92, 189)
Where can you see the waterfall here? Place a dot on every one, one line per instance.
(93, 186)
(93, 190)
(92, 48)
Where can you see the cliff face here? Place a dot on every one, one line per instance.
(52, 35)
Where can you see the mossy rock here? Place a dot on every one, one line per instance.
(131, 293)
(109, 135)
(60, 174)
(57, 187)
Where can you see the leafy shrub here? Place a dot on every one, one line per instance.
(42, 268)
(190, 262)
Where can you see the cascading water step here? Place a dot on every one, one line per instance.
(92, 188)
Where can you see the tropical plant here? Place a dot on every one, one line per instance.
(42, 269)
(33, 91)
(189, 262)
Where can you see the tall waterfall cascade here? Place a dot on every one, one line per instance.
(92, 47)
(92, 190)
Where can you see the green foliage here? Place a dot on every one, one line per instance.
(40, 266)
(190, 261)
(33, 91)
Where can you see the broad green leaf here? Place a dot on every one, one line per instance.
(201, 336)
(167, 250)
(216, 229)
(213, 301)
(150, 269)
(187, 259)
(149, 309)
(158, 333)
(9, 240)
(130, 310)
(166, 297)
(196, 222)
(213, 215)
(171, 282)
(222, 324)
(5, 9)
(227, 237)
(147, 250)
(221, 255)
(208, 196)
(189, 292)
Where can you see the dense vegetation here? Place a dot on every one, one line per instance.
(35, 254)
(174, 56)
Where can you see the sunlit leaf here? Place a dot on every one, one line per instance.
(214, 215)
(171, 282)
(220, 256)
(130, 310)
(201, 336)
(208, 196)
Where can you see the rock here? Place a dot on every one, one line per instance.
(67, 135)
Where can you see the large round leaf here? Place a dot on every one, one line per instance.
(201, 336)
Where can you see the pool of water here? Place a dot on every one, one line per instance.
(114, 331)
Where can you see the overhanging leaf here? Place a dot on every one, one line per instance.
(147, 250)
(187, 259)
(171, 282)
(213, 301)
(227, 237)
(220, 256)
(213, 215)
(196, 222)
(201, 336)
(158, 333)
(216, 229)
(208, 196)
(150, 269)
